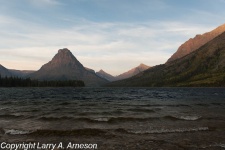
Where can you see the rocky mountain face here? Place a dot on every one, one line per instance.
(105, 75)
(203, 67)
(125, 75)
(5, 72)
(196, 42)
(64, 66)
(132, 72)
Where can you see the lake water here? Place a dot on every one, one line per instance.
(115, 118)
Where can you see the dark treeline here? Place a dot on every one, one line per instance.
(20, 82)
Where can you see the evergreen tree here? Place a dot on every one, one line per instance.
(19, 82)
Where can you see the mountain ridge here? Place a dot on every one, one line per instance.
(132, 72)
(203, 67)
(124, 75)
(195, 43)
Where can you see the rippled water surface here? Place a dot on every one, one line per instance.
(115, 118)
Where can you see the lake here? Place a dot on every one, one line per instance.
(115, 118)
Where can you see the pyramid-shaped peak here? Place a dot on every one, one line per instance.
(64, 53)
(64, 50)
(64, 66)
(63, 57)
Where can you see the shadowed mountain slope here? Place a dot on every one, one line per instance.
(21, 73)
(5, 72)
(103, 74)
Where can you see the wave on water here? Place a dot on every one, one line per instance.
(116, 112)
(217, 104)
(98, 120)
(141, 110)
(220, 145)
(82, 119)
(90, 132)
(65, 103)
(48, 132)
(129, 119)
(118, 119)
(16, 132)
(55, 118)
(201, 104)
(191, 118)
(9, 116)
(98, 132)
(187, 118)
(102, 119)
(161, 131)
(74, 132)
(214, 145)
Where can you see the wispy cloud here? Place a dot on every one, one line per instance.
(97, 45)
(101, 36)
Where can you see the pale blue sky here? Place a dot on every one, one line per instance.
(113, 35)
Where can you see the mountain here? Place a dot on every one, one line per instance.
(196, 42)
(88, 69)
(125, 75)
(5, 72)
(64, 66)
(203, 67)
(105, 75)
(132, 72)
(14, 73)
(21, 73)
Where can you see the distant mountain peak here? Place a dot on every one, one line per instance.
(132, 72)
(101, 71)
(143, 65)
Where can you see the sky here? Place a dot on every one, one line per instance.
(113, 35)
